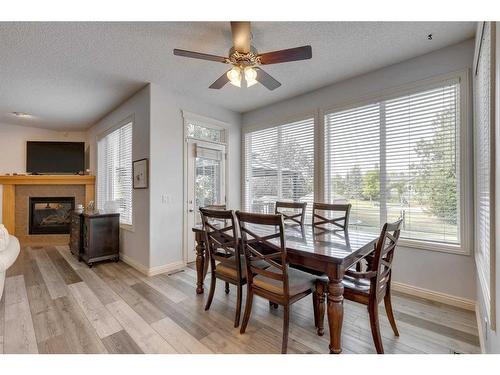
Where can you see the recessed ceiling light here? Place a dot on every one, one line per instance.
(21, 114)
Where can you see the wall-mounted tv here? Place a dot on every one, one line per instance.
(55, 157)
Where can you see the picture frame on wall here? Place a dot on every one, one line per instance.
(140, 172)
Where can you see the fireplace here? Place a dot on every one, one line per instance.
(50, 215)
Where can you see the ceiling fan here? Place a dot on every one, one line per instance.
(246, 60)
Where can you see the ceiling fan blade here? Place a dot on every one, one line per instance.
(242, 36)
(286, 55)
(221, 81)
(199, 55)
(266, 80)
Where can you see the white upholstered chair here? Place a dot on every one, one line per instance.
(9, 251)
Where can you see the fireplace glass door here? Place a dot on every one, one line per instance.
(50, 215)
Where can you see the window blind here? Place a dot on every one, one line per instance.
(352, 163)
(483, 138)
(398, 158)
(114, 177)
(279, 165)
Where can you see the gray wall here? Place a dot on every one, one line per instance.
(157, 237)
(437, 271)
(133, 244)
(167, 158)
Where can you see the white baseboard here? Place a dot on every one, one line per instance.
(171, 267)
(153, 270)
(480, 329)
(431, 295)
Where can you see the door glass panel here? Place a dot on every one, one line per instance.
(207, 184)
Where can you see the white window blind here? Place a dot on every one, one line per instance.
(279, 166)
(208, 176)
(484, 174)
(398, 158)
(114, 178)
(352, 161)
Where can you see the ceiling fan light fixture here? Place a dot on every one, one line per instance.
(234, 76)
(250, 76)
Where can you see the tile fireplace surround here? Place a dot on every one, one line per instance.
(15, 202)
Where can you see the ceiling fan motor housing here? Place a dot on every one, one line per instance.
(244, 59)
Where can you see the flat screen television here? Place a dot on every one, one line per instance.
(55, 157)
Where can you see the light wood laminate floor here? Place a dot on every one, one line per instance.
(53, 304)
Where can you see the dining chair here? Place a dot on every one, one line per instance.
(294, 213)
(205, 266)
(216, 207)
(268, 273)
(321, 221)
(371, 286)
(223, 246)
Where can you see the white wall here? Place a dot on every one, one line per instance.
(167, 157)
(13, 140)
(442, 272)
(133, 244)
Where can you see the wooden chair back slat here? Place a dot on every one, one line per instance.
(383, 256)
(221, 238)
(295, 218)
(257, 247)
(322, 224)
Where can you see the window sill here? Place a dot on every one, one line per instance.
(432, 246)
(127, 227)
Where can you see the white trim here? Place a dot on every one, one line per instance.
(152, 271)
(434, 246)
(431, 295)
(213, 123)
(281, 121)
(480, 329)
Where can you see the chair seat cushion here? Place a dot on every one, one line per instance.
(298, 282)
(229, 268)
(358, 286)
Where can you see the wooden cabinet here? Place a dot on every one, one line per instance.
(95, 237)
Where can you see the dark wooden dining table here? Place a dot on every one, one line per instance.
(329, 253)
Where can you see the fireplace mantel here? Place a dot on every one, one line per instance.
(9, 191)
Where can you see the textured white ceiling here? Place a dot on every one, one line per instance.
(68, 75)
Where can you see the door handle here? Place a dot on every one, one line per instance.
(191, 210)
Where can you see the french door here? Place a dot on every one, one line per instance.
(206, 182)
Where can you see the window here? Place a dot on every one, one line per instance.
(398, 158)
(114, 177)
(198, 131)
(484, 139)
(279, 165)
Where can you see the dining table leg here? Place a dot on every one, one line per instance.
(201, 262)
(335, 312)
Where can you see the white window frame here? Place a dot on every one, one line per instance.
(101, 135)
(465, 146)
